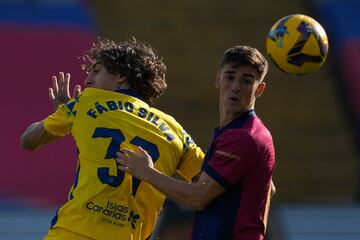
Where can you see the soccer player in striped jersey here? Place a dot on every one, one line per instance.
(233, 192)
(115, 110)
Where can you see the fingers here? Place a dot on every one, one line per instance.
(63, 82)
(134, 163)
(122, 159)
(66, 83)
(76, 92)
(140, 152)
(55, 85)
(61, 86)
(143, 152)
(122, 168)
(51, 94)
(124, 156)
(129, 153)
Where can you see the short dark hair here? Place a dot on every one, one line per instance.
(139, 62)
(245, 56)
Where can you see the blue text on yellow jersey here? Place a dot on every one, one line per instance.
(104, 202)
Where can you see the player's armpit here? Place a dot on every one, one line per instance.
(35, 136)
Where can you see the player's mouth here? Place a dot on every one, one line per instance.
(234, 99)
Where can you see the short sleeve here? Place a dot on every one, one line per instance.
(192, 158)
(60, 122)
(234, 155)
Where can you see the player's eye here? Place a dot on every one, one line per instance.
(247, 81)
(229, 77)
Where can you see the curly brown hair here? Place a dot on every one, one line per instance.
(139, 62)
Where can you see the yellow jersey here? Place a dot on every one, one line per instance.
(105, 202)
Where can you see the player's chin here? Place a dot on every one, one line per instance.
(233, 112)
(236, 110)
(234, 106)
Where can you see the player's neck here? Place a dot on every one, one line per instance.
(225, 119)
(228, 117)
(123, 86)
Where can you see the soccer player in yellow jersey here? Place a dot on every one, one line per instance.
(115, 110)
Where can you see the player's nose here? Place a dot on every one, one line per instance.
(88, 82)
(235, 86)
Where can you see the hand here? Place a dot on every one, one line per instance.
(137, 164)
(59, 93)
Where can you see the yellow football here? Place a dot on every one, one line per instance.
(297, 44)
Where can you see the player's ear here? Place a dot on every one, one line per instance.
(260, 89)
(217, 79)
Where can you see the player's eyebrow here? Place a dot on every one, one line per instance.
(248, 75)
(229, 71)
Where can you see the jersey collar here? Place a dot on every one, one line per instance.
(236, 123)
(130, 93)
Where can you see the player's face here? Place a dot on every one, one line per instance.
(239, 87)
(99, 77)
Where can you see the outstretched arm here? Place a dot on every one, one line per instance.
(35, 136)
(196, 195)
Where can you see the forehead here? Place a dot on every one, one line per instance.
(240, 70)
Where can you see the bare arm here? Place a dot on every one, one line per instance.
(195, 195)
(35, 136)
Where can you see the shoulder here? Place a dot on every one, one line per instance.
(262, 134)
(88, 92)
(176, 128)
(253, 138)
(236, 140)
(91, 92)
(170, 120)
(261, 138)
(257, 130)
